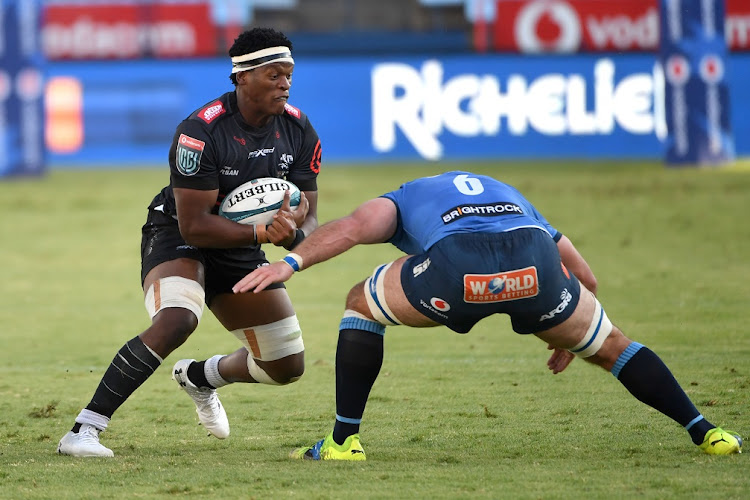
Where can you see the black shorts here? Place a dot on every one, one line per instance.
(161, 242)
(466, 277)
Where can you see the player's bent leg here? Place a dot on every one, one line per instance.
(268, 328)
(276, 351)
(371, 305)
(174, 299)
(381, 297)
(589, 334)
(273, 353)
(176, 305)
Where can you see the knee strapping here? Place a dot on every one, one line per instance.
(259, 374)
(597, 333)
(375, 295)
(272, 341)
(175, 291)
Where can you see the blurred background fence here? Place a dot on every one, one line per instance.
(105, 82)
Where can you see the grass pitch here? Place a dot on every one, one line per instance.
(451, 416)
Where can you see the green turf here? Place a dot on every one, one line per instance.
(474, 416)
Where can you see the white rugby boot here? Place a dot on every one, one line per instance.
(210, 411)
(84, 443)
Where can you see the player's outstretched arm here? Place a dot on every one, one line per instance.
(372, 222)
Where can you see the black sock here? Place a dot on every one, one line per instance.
(647, 378)
(359, 356)
(130, 368)
(197, 374)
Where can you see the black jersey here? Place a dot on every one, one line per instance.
(215, 149)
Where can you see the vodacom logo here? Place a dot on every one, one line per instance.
(548, 25)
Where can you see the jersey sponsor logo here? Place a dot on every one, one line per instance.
(566, 297)
(501, 287)
(292, 110)
(260, 152)
(432, 309)
(482, 209)
(227, 170)
(440, 304)
(241, 140)
(421, 267)
(210, 112)
(188, 154)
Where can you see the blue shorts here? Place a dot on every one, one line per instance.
(466, 277)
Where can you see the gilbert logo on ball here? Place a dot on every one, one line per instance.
(257, 201)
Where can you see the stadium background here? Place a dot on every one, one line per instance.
(451, 416)
(383, 81)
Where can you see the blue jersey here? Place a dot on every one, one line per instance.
(431, 208)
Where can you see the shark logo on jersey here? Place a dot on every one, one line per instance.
(284, 163)
(260, 152)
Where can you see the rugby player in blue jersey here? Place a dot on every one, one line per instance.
(475, 247)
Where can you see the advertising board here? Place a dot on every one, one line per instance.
(693, 54)
(408, 108)
(128, 30)
(567, 26)
(21, 89)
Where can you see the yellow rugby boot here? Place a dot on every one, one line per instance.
(721, 442)
(327, 449)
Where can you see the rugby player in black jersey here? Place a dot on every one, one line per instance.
(191, 256)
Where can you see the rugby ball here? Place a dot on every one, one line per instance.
(256, 201)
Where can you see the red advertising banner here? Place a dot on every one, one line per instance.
(566, 26)
(128, 31)
(737, 24)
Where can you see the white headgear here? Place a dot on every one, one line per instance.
(261, 58)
